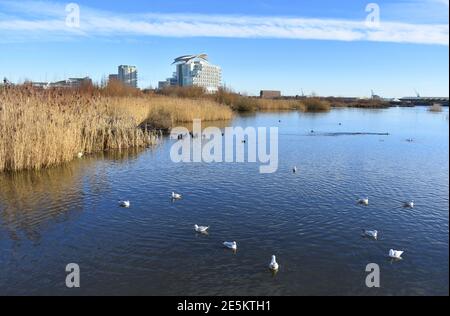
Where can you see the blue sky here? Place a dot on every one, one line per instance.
(321, 46)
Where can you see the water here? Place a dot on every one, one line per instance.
(309, 220)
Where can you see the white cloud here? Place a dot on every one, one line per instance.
(444, 2)
(30, 20)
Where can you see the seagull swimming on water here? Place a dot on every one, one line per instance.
(201, 229)
(395, 254)
(363, 201)
(274, 266)
(230, 245)
(371, 233)
(176, 196)
(125, 204)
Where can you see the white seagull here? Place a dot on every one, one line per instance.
(80, 155)
(274, 266)
(176, 196)
(230, 244)
(124, 204)
(395, 254)
(371, 233)
(363, 201)
(409, 204)
(201, 229)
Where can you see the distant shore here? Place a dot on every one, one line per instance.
(41, 128)
(243, 103)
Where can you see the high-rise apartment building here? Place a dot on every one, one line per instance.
(128, 75)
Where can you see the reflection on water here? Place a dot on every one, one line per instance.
(26, 197)
(29, 200)
(205, 124)
(309, 220)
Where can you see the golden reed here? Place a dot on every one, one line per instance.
(43, 128)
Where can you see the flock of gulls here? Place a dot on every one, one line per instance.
(393, 254)
(273, 265)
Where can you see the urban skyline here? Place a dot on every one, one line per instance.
(127, 74)
(335, 56)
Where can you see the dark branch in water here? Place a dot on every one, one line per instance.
(348, 134)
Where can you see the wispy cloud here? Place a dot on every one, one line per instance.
(30, 20)
(444, 2)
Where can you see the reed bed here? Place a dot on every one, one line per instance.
(279, 105)
(435, 108)
(316, 105)
(44, 128)
(361, 103)
(246, 104)
(163, 112)
(241, 103)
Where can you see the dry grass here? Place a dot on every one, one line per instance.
(46, 128)
(279, 105)
(43, 128)
(163, 112)
(435, 108)
(184, 92)
(303, 105)
(247, 104)
(360, 103)
(115, 88)
(316, 105)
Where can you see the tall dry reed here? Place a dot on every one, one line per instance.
(43, 128)
(164, 112)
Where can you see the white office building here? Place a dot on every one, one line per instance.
(195, 70)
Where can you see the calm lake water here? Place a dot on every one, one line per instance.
(309, 220)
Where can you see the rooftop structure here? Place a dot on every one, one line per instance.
(187, 58)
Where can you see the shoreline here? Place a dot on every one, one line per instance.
(44, 128)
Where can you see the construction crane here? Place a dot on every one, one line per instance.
(374, 96)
